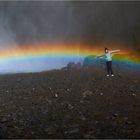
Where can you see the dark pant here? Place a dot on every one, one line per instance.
(109, 67)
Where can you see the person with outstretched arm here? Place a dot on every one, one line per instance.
(108, 55)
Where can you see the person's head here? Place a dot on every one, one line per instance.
(106, 50)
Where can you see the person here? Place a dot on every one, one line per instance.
(108, 56)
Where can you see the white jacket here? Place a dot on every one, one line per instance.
(108, 55)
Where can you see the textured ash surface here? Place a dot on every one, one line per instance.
(70, 104)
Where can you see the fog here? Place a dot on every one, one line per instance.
(25, 22)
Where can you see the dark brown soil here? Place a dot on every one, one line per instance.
(70, 104)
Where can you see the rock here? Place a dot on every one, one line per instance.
(125, 118)
(19, 79)
(115, 115)
(3, 104)
(96, 122)
(68, 89)
(81, 101)
(32, 132)
(33, 89)
(133, 94)
(83, 118)
(66, 132)
(49, 101)
(56, 95)
(50, 130)
(70, 106)
(4, 119)
(74, 130)
(101, 94)
(73, 65)
(128, 122)
(135, 81)
(86, 93)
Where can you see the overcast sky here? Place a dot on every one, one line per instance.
(62, 21)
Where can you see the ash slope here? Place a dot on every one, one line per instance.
(70, 104)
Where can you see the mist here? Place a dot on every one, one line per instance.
(83, 22)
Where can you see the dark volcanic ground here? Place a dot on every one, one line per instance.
(70, 104)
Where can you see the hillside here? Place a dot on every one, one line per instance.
(79, 103)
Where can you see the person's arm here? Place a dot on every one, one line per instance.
(114, 51)
(100, 55)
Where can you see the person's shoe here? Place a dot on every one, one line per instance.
(107, 75)
(112, 74)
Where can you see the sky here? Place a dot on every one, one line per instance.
(87, 23)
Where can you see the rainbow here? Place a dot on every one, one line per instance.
(46, 52)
